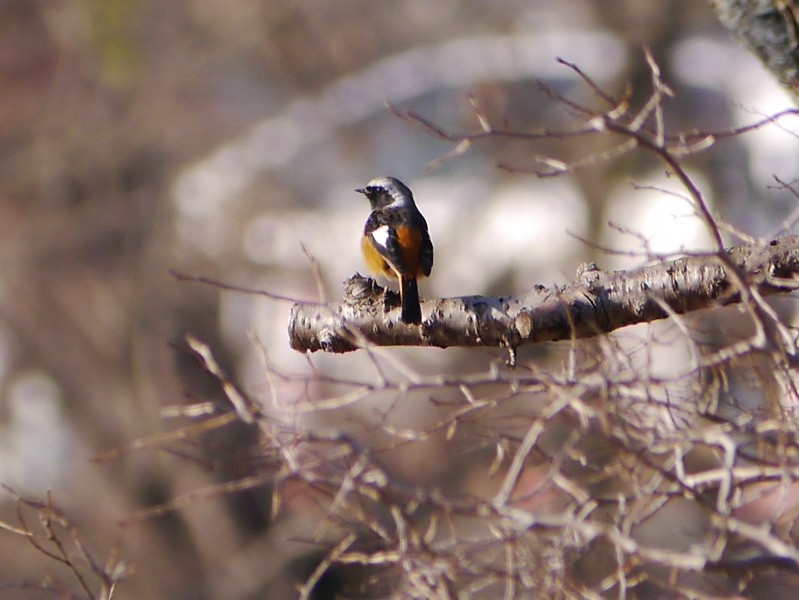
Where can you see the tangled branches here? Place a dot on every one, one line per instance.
(647, 463)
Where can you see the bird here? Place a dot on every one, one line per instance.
(395, 242)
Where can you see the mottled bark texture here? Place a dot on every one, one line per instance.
(770, 29)
(596, 302)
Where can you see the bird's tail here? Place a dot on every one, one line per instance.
(409, 294)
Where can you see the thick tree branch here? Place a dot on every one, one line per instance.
(596, 302)
(770, 29)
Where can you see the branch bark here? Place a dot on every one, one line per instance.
(596, 302)
(770, 29)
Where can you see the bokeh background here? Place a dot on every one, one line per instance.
(217, 138)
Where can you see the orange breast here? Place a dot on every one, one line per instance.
(374, 260)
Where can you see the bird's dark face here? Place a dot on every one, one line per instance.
(386, 191)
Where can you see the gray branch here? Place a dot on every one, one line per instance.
(769, 29)
(596, 302)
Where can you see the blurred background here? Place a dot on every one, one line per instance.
(217, 137)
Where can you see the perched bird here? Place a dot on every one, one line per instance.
(395, 241)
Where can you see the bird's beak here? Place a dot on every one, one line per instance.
(360, 190)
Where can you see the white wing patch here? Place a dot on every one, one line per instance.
(380, 236)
